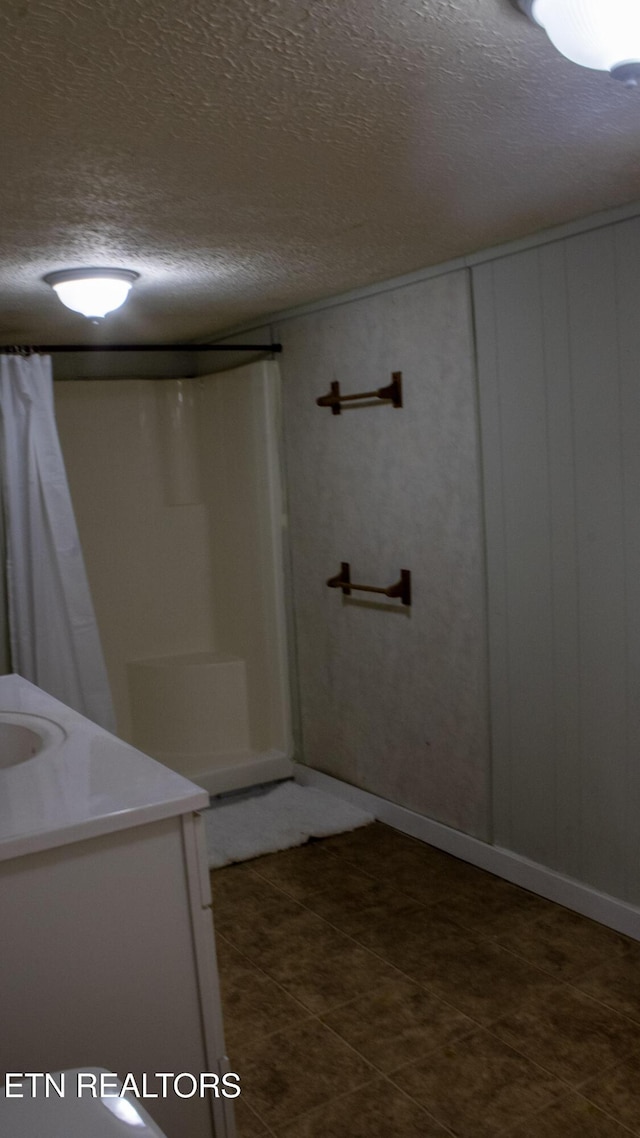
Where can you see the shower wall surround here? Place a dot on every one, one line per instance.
(148, 562)
(392, 699)
(176, 488)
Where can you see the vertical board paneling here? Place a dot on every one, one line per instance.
(564, 665)
(523, 415)
(600, 542)
(558, 348)
(627, 257)
(492, 467)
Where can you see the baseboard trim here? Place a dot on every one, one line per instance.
(530, 875)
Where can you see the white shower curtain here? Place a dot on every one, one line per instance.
(53, 632)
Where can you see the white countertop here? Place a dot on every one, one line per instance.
(89, 783)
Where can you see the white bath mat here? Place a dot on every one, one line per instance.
(274, 820)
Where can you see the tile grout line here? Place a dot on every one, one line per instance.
(418, 844)
(311, 1016)
(426, 906)
(573, 1087)
(387, 1075)
(561, 981)
(257, 968)
(372, 952)
(564, 1098)
(606, 1112)
(270, 1131)
(506, 1130)
(363, 1086)
(329, 1102)
(571, 984)
(408, 977)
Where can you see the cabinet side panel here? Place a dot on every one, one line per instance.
(97, 965)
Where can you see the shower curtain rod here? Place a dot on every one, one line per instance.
(47, 349)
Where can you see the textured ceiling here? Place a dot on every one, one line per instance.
(249, 155)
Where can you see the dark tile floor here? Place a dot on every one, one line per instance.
(374, 987)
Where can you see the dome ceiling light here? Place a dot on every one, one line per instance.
(93, 292)
(602, 34)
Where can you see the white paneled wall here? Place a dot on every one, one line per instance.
(558, 340)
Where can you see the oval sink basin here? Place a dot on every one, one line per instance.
(23, 736)
(17, 744)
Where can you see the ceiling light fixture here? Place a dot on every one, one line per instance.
(93, 292)
(602, 34)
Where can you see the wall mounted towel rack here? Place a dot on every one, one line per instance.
(392, 393)
(402, 588)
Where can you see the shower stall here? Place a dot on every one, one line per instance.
(177, 490)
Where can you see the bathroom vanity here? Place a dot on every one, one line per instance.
(107, 954)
